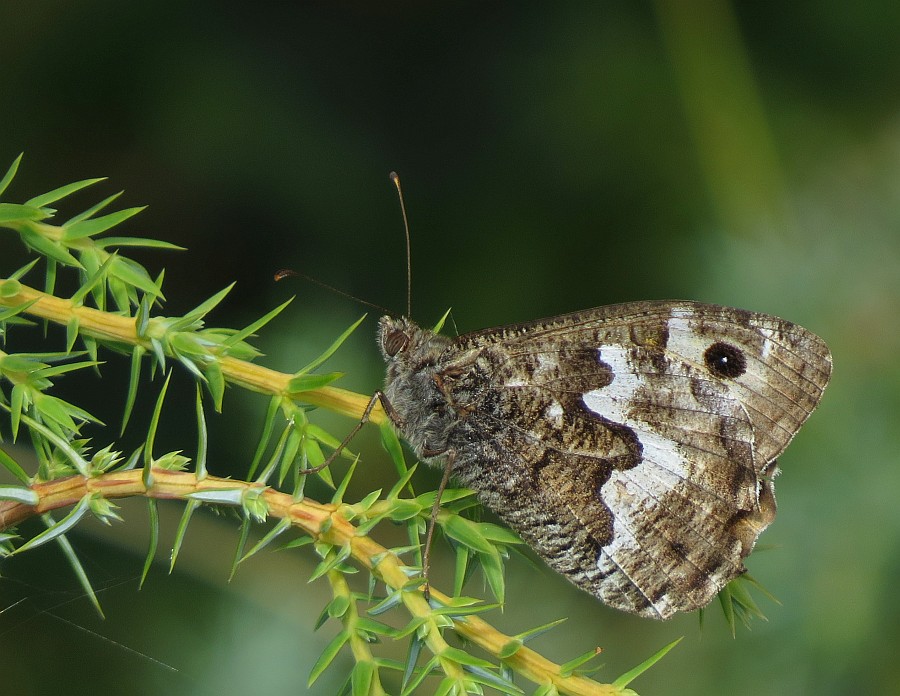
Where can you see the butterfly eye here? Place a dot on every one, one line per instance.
(725, 360)
(395, 341)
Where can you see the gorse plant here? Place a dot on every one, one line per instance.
(116, 308)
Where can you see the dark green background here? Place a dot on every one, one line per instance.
(555, 156)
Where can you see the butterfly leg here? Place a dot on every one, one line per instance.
(435, 508)
(377, 397)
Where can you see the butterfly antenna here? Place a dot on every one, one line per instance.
(288, 272)
(396, 179)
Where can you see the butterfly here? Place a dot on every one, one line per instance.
(633, 446)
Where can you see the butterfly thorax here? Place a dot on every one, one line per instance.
(413, 359)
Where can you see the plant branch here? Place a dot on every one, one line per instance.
(322, 522)
(122, 330)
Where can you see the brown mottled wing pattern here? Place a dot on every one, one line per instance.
(633, 445)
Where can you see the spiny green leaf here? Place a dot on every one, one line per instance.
(89, 228)
(154, 422)
(403, 509)
(93, 209)
(323, 618)
(9, 313)
(525, 636)
(283, 525)
(202, 309)
(330, 562)
(331, 349)
(137, 353)
(90, 346)
(61, 192)
(401, 482)
(172, 461)
(546, 690)
(467, 532)
(159, 352)
(440, 324)
(133, 459)
(338, 606)
(72, 327)
(181, 531)
(239, 550)
(302, 383)
(496, 533)
(73, 560)
(509, 648)
(23, 270)
(412, 657)
(190, 365)
(287, 435)
(50, 278)
(298, 542)
(13, 212)
(327, 439)
(61, 444)
(137, 242)
(632, 674)
(362, 623)
(339, 492)
(327, 656)
(480, 675)
(392, 600)
(26, 496)
(10, 288)
(461, 566)
(97, 276)
(56, 370)
(749, 579)
(727, 605)
(11, 172)
(104, 510)
(455, 612)
(464, 658)
(215, 383)
(133, 274)
(361, 677)
(412, 685)
(58, 529)
(202, 437)
(254, 504)
(568, 668)
(48, 248)
(449, 685)
(16, 407)
(492, 567)
(315, 458)
(251, 329)
(268, 427)
(12, 466)
(142, 316)
(56, 411)
(449, 495)
(289, 456)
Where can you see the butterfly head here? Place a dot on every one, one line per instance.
(396, 335)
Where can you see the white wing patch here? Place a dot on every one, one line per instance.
(669, 474)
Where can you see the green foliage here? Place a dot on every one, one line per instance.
(289, 446)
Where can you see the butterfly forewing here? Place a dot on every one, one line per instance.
(632, 446)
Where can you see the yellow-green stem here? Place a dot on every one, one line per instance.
(311, 518)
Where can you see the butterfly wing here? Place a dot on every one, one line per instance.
(632, 446)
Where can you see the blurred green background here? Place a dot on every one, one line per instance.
(555, 156)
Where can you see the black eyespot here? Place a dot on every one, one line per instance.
(395, 341)
(725, 360)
